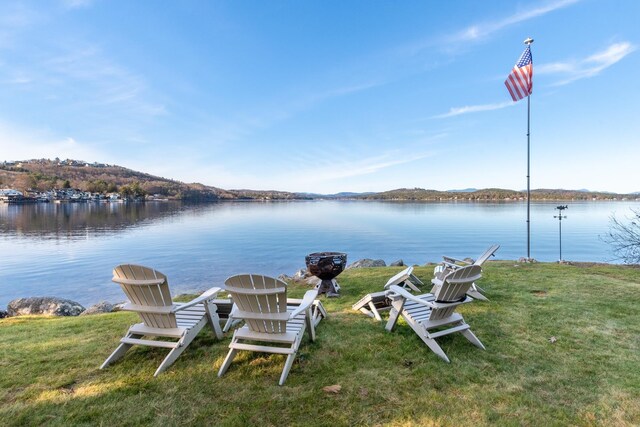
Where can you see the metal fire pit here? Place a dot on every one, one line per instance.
(326, 266)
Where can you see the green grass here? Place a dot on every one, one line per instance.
(590, 376)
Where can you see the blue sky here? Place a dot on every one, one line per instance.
(326, 96)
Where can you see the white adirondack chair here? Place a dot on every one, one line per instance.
(149, 296)
(262, 302)
(372, 304)
(433, 315)
(450, 263)
(318, 312)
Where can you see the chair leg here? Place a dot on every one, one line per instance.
(287, 367)
(168, 361)
(231, 321)
(310, 324)
(182, 345)
(374, 311)
(396, 309)
(367, 312)
(433, 345)
(319, 312)
(477, 295)
(228, 324)
(213, 318)
(289, 362)
(473, 339)
(227, 361)
(315, 315)
(119, 352)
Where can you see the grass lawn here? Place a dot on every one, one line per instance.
(590, 376)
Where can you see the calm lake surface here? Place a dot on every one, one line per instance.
(69, 250)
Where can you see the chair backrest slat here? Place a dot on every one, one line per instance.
(454, 288)
(486, 255)
(147, 294)
(260, 301)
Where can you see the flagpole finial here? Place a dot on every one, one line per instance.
(528, 41)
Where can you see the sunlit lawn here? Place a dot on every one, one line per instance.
(591, 375)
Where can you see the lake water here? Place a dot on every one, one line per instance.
(69, 250)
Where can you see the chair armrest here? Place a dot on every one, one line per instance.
(307, 300)
(397, 290)
(209, 294)
(451, 265)
(452, 260)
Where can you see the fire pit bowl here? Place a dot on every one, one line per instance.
(326, 266)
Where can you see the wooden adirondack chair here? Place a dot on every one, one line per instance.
(433, 315)
(149, 296)
(372, 304)
(450, 263)
(262, 302)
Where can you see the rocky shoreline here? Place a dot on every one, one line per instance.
(54, 306)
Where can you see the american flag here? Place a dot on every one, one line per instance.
(520, 81)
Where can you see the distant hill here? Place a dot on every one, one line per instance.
(420, 194)
(45, 174)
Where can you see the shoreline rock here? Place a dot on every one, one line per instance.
(101, 307)
(366, 263)
(44, 305)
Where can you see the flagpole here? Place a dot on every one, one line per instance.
(528, 42)
(528, 177)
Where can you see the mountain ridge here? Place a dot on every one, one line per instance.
(46, 174)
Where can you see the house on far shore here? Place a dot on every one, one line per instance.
(10, 195)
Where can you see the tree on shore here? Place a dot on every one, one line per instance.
(25, 182)
(97, 186)
(132, 191)
(624, 236)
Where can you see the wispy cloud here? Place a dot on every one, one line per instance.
(241, 127)
(233, 129)
(344, 90)
(348, 164)
(480, 31)
(589, 66)
(17, 15)
(368, 166)
(20, 80)
(457, 111)
(20, 144)
(15, 18)
(109, 83)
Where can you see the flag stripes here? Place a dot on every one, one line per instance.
(519, 83)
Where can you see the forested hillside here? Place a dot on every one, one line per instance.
(419, 194)
(45, 174)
